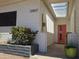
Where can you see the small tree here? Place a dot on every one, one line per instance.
(23, 35)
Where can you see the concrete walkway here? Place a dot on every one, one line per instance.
(44, 57)
(9, 56)
(54, 52)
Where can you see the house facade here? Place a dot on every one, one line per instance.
(37, 15)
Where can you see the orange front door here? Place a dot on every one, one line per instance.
(61, 33)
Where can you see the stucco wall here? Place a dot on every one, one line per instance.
(72, 21)
(49, 21)
(77, 15)
(24, 15)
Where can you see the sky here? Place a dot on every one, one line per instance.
(60, 9)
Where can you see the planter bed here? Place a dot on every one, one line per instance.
(18, 49)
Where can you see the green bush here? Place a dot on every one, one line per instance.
(22, 36)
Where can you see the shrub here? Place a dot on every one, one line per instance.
(22, 35)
